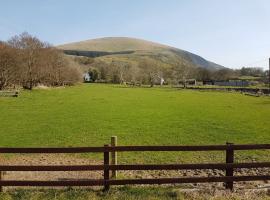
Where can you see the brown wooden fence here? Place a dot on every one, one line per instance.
(106, 167)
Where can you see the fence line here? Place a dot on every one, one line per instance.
(241, 147)
(106, 167)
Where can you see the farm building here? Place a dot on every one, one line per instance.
(87, 77)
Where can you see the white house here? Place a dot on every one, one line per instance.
(87, 77)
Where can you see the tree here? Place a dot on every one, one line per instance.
(203, 74)
(252, 71)
(64, 71)
(94, 74)
(134, 75)
(26, 61)
(223, 74)
(30, 51)
(183, 71)
(148, 70)
(160, 71)
(8, 65)
(103, 68)
(122, 68)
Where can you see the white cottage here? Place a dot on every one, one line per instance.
(87, 77)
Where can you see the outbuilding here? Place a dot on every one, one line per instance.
(87, 77)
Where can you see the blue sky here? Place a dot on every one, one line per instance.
(233, 33)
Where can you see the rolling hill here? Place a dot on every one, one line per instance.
(133, 50)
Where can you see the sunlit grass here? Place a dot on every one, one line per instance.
(89, 114)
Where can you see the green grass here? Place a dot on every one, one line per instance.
(128, 193)
(124, 193)
(88, 114)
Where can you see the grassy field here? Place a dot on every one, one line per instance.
(128, 193)
(88, 114)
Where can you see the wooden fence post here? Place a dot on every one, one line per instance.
(106, 169)
(114, 155)
(1, 176)
(229, 159)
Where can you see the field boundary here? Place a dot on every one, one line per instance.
(251, 91)
(9, 93)
(110, 166)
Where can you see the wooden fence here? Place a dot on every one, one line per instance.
(106, 167)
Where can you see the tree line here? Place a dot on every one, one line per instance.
(151, 71)
(26, 62)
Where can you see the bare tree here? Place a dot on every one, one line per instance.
(223, 74)
(40, 63)
(183, 71)
(57, 69)
(30, 51)
(148, 69)
(7, 65)
(203, 74)
(123, 70)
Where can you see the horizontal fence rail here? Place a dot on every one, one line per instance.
(190, 148)
(53, 150)
(107, 167)
(135, 148)
(220, 166)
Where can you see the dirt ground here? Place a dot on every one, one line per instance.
(60, 159)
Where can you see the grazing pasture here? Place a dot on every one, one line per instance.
(89, 114)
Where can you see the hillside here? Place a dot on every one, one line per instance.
(133, 50)
(114, 44)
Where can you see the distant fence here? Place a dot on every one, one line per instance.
(106, 167)
(235, 89)
(9, 93)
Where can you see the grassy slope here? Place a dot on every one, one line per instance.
(142, 49)
(114, 44)
(87, 115)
